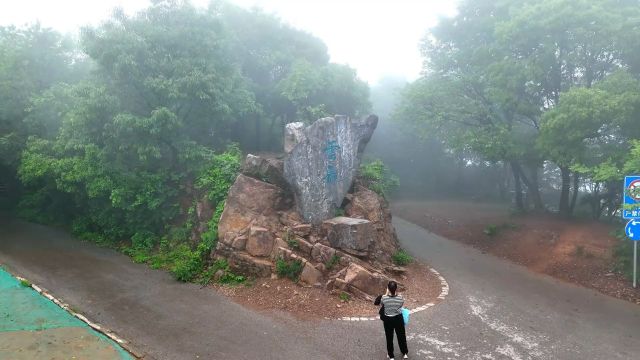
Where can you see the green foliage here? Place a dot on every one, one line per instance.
(339, 212)
(220, 174)
(344, 297)
(227, 278)
(510, 81)
(289, 269)
(293, 244)
(402, 258)
(378, 177)
(491, 230)
(25, 283)
(331, 263)
(623, 255)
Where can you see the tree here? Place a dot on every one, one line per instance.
(492, 71)
(289, 73)
(566, 44)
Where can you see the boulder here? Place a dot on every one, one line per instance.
(251, 202)
(322, 253)
(293, 134)
(304, 246)
(322, 164)
(248, 265)
(310, 275)
(265, 169)
(353, 236)
(303, 230)
(366, 204)
(365, 281)
(239, 243)
(260, 242)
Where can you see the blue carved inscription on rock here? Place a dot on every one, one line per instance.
(331, 153)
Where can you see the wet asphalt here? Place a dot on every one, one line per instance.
(494, 310)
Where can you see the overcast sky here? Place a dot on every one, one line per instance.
(377, 37)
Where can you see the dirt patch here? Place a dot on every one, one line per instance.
(309, 303)
(575, 251)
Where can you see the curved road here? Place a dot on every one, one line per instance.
(498, 310)
(495, 310)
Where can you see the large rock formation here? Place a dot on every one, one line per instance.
(261, 222)
(321, 166)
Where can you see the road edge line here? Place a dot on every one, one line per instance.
(444, 291)
(95, 326)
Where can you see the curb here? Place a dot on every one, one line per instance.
(97, 327)
(444, 291)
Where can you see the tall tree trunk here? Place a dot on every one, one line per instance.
(563, 207)
(576, 191)
(532, 185)
(534, 189)
(517, 185)
(503, 183)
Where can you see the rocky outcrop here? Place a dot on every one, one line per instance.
(322, 164)
(251, 202)
(266, 169)
(293, 134)
(353, 236)
(261, 223)
(366, 204)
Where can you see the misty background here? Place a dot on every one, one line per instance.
(114, 120)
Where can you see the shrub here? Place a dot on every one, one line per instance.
(377, 177)
(293, 243)
(186, 263)
(345, 296)
(290, 239)
(25, 283)
(623, 255)
(228, 278)
(401, 258)
(289, 269)
(335, 260)
(491, 230)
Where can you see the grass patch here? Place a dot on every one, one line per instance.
(293, 244)
(493, 230)
(344, 297)
(289, 269)
(335, 260)
(401, 257)
(623, 255)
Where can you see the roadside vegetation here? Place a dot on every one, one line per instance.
(119, 135)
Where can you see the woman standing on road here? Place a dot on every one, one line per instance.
(391, 316)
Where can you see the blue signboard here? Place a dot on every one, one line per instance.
(632, 230)
(631, 203)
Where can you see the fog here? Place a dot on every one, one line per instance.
(378, 38)
(111, 111)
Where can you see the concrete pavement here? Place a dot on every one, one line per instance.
(165, 319)
(495, 310)
(498, 310)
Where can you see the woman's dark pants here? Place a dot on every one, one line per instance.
(395, 323)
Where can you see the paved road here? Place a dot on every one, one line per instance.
(495, 310)
(498, 310)
(165, 319)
